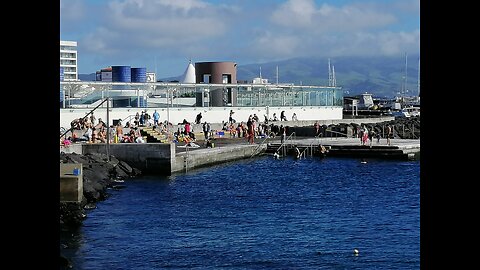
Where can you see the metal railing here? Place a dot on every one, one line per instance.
(255, 151)
(283, 144)
(83, 118)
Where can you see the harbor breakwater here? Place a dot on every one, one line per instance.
(403, 128)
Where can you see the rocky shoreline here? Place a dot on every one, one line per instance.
(99, 174)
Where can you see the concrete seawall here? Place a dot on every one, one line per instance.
(161, 158)
(148, 157)
(207, 156)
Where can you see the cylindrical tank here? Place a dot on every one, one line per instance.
(142, 102)
(218, 73)
(217, 97)
(62, 73)
(121, 74)
(139, 74)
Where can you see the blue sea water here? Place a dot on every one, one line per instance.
(259, 213)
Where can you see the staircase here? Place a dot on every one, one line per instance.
(152, 136)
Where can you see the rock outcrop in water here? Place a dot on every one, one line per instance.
(99, 174)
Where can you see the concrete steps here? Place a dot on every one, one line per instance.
(153, 136)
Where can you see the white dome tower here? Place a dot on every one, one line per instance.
(189, 74)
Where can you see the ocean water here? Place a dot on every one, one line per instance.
(259, 213)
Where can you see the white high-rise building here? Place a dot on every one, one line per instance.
(68, 60)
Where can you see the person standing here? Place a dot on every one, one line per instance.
(230, 118)
(156, 118)
(137, 117)
(316, 127)
(118, 132)
(365, 135)
(250, 132)
(206, 130)
(389, 133)
(92, 119)
(283, 132)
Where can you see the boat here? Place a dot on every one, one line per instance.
(409, 111)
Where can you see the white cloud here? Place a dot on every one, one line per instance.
(269, 45)
(246, 31)
(411, 6)
(295, 13)
(72, 10)
(300, 28)
(303, 14)
(276, 47)
(390, 43)
(185, 5)
(143, 24)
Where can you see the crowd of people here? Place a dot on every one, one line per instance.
(367, 136)
(94, 131)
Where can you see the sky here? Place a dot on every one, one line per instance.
(163, 35)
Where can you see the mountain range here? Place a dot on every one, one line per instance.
(382, 76)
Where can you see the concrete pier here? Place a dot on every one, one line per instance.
(71, 182)
(187, 160)
(351, 147)
(162, 158)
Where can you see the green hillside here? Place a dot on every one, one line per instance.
(381, 76)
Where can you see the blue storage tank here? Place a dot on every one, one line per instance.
(142, 102)
(121, 74)
(62, 73)
(139, 74)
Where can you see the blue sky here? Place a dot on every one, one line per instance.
(163, 35)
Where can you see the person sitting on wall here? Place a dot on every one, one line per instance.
(100, 124)
(198, 119)
(275, 117)
(138, 136)
(209, 143)
(282, 116)
(294, 117)
(76, 124)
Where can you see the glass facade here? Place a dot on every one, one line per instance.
(244, 95)
(289, 96)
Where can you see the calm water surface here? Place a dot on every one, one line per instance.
(259, 214)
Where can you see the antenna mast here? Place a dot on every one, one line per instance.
(418, 83)
(334, 79)
(155, 66)
(330, 80)
(277, 74)
(405, 81)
